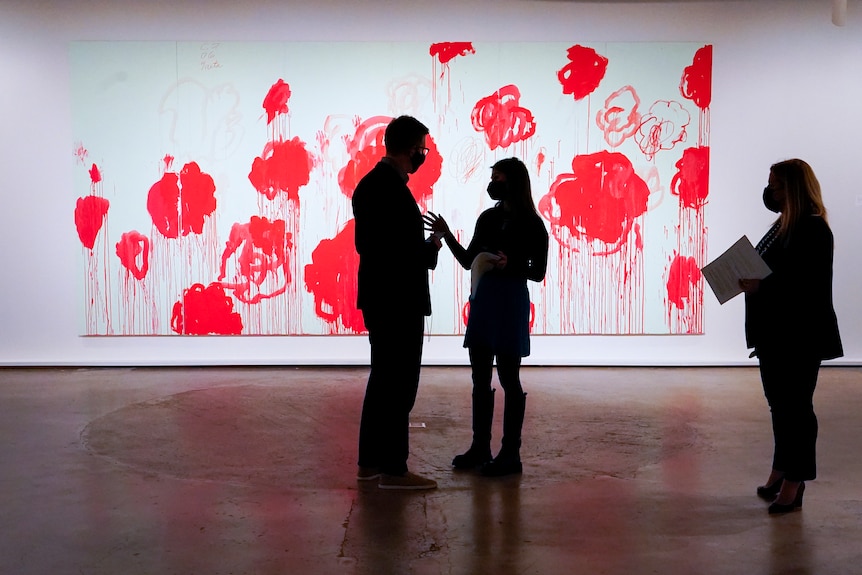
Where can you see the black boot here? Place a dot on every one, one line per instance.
(508, 461)
(480, 450)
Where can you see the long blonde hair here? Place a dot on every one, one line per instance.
(801, 194)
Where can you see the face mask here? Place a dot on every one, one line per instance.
(769, 201)
(498, 190)
(416, 160)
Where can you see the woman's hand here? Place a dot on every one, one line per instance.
(749, 285)
(501, 263)
(436, 224)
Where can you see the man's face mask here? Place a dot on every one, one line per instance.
(416, 159)
(498, 190)
(769, 200)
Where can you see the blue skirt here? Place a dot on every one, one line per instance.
(499, 318)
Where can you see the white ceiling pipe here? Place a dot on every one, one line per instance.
(839, 12)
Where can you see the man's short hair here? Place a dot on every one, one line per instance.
(402, 134)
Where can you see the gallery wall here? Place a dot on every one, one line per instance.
(786, 83)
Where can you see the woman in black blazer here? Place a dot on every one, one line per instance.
(790, 322)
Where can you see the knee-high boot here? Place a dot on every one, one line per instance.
(483, 415)
(508, 460)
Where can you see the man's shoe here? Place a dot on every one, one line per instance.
(367, 473)
(408, 481)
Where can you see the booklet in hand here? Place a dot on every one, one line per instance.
(740, 261)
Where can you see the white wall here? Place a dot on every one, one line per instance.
(786, 83)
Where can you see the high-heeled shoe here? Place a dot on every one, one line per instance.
(770, 492)
(777, 508)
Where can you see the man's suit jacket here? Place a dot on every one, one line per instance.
(394, 257)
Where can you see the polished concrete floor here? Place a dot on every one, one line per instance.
(252, 471)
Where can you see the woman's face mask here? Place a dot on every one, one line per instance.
(498, 190)
(769, 200)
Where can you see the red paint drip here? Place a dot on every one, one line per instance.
(174, 212)
(598, 201)
(540, 161)
(95, 174)
(691, 181)
(204, 311)
(584, 72)
(696, 82)
(81, 152)
(133, 249)
(683, 275)
(331, 277)
(258, 251)
(283, 167)
(275, 101)
(90, 212)
(445, 52)
(501, 118)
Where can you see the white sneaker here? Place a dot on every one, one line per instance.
(407, 481)
(367, 473)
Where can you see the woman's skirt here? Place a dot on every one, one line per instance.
(499, 317)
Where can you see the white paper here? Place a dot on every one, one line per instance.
(739, 261)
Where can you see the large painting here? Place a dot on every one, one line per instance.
(213, 180)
